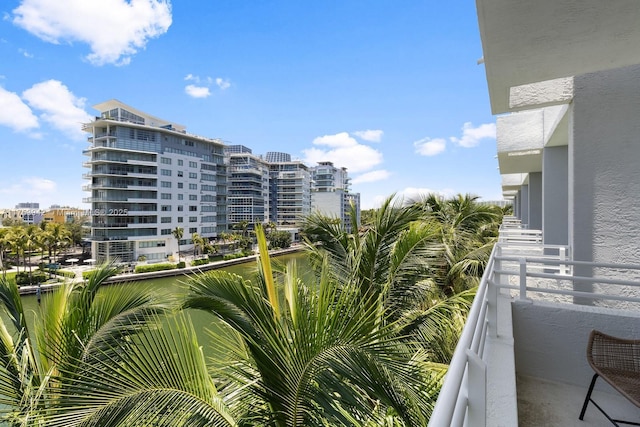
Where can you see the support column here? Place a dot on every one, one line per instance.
(555, 195)
(524, 205)
(535, 200)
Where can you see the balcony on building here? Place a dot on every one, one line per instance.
(562, 76)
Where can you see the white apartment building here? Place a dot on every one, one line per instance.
(330, 194)
(289, 189)
(248, 186)
(563, 76)
(148, 176)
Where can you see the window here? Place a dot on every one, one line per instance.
(193, 208)
(165, 219)
(180, 218)
(165, 160)
(193, 186)
(207, 208)
(180, 196)
(165, 196)
(180, 208)
(209, 218)
(179, 174)
(193, 197)
(165, 172)
(207, 198)
(193, 219)
(207, 177)
(179, 185)
(193, 164)
(193, 230)
(165, 184)
(193, 175)
(205, 187)
(165, 208)
(208, 230)
(165, 231)
(180, 162)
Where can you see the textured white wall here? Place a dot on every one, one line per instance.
(551, 339)
(605, 155)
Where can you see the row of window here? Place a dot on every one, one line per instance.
(167, 231)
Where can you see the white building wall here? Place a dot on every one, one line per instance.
(606, 166)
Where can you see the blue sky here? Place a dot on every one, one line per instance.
(389, 89)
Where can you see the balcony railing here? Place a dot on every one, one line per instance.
(524, 271)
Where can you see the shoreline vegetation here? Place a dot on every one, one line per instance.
(185, 271)
(365, 340)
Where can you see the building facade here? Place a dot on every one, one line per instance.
(248, 186)
(289, 190)
(147, 177)
(330, 193)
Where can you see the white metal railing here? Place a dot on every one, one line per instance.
(462, 399)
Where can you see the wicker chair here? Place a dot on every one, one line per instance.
(617, 361)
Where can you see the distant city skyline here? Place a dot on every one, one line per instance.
(394, 94)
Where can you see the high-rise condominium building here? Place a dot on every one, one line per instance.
(148, 177)
(330, 193)
(290, 190)
(248, 186)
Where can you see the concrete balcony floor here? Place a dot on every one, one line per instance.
(547, 403)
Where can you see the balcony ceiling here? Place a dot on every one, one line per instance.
(527, 41)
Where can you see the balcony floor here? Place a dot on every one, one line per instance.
(548, 403)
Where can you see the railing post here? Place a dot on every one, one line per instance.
(477, 389)
(523, 278)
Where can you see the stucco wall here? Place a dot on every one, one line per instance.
(551, 339)
(605, 171)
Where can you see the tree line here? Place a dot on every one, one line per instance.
(366, 342)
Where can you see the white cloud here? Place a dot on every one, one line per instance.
(14, 113)
(60, 108)
(430, 147)
(471, 136)
(223, 83)
(369, 135)
(25, 53)
(201, 86)
(31, 186)
(197, 91)
(373, 176)
(344, 151)
(114, 29)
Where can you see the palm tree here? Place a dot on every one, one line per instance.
(17, 239)
(199, 243)
(178, 232)
(311, 355)
(397, 259)
(31, 240)
(468, 232)
(4, 245)
(57, 235)
(44, 360)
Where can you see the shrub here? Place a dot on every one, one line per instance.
(200, 261)
(66, 273)
(22, 278)
(154, 267)
(237, 255)
(181, 264)
(279, 239)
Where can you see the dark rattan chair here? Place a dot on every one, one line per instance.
(617, 361)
